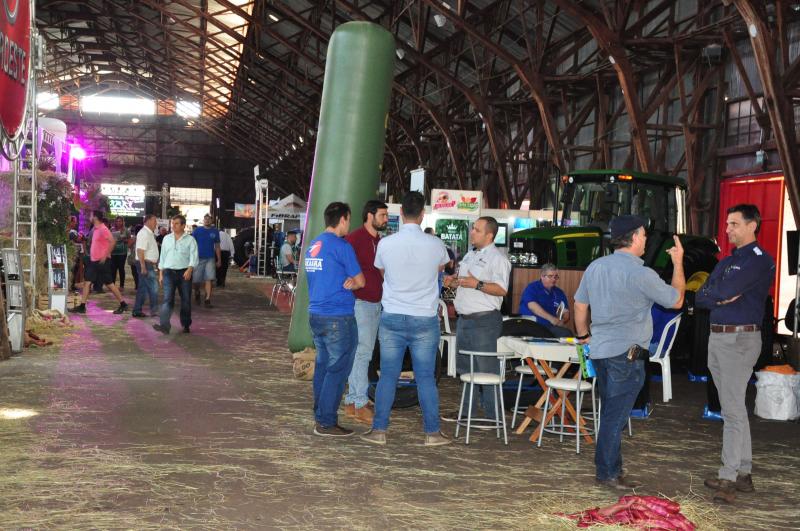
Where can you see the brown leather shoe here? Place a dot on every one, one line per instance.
(742, 484)
(350, 410)
(726, 494)
(436, 439)
(365, 414)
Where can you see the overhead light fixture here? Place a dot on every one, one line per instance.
(135, 120)
(273, 17)
(440, 20)
(294, 146)
(400, 53)
(301, 139)
(612, 60)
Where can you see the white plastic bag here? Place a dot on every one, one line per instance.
(777, 396)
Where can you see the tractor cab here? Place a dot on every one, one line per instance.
(588, 200)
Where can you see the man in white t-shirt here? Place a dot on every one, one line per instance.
(226, 251)
(286, 261)
(410, 261)
(147, 267)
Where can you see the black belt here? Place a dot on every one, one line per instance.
(732, 329)
(478, 315)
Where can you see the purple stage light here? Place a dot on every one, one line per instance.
(78, 153)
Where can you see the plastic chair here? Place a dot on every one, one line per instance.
(472, 378)
(284, 282)
(447, 337)
(661, 355)
(578, 386)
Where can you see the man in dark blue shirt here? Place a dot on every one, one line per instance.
(735, 293)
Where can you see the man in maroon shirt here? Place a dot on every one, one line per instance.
(368, 308)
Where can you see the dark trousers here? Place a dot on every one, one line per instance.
(480, 334)
(619, 381)
(135, 275)
(174, 281)
(222, 270)
(118, 262)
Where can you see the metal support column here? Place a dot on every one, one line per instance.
(262, 227)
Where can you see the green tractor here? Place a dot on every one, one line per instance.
(588, 200)
(585, 202)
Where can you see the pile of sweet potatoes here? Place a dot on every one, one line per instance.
(638, 512)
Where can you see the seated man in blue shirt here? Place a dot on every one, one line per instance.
(542, 300)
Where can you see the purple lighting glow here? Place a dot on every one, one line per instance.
(78, 153)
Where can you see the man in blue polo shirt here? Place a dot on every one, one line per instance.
(333, 273)
(210, 255)
(547, 303)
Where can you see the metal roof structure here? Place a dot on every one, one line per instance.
(498, 95)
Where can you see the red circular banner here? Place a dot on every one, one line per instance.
(15, 60)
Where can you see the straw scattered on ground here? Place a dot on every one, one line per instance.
(210, 431)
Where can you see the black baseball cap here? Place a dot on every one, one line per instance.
(622, 225)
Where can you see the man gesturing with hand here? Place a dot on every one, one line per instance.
(621, 290)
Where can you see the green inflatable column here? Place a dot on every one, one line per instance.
(350, 139)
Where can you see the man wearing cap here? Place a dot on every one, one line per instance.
(286, 261)
(620, 291)
(735, 293)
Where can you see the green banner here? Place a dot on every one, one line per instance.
(454, 234)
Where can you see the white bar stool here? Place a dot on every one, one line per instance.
(568, 385)
(495, 380)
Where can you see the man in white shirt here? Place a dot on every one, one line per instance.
(410, 261)
(482, 283)
(286, 261)
(147, 267)
(226, 251)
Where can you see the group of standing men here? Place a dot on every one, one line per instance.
(367, 286)
(362, 286)
(180, 261)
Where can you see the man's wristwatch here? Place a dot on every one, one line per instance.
(479, 286)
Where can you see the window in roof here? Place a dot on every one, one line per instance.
(118, 105)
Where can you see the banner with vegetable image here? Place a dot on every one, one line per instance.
(454, 234)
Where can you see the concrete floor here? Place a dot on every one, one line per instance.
(209, 431)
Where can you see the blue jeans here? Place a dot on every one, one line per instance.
(147, 287)
(620, 381)
(480, 334)
(421, 335)
(174, 281)
(336, 338)
(368, 317)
